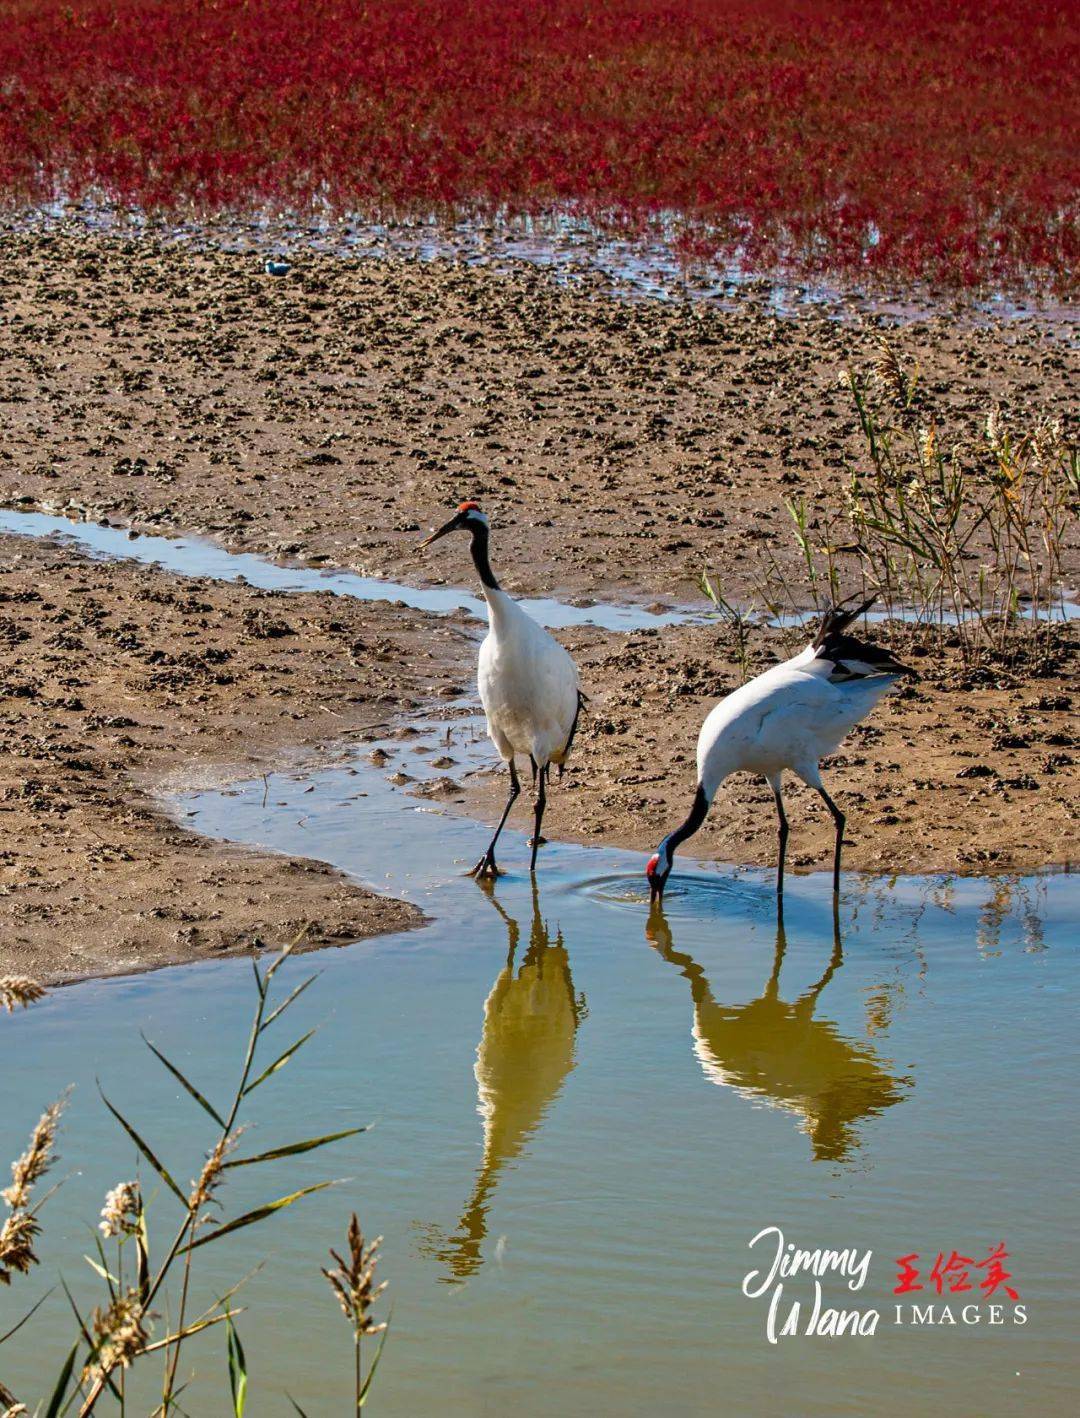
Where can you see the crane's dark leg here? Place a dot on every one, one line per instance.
(486, 865)
(839, 818)
(538, 810)
(570, 736)
(775, 784)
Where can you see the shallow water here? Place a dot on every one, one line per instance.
(198, 556)
(569, 248)
(583, 1116)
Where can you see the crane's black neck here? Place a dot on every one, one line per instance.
(697, 815)
(480, 557)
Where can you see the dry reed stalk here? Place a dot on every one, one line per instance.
(117, 1333)
(961, 537)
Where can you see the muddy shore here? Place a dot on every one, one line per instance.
(119, 682)
(619, 447)
(328, 417)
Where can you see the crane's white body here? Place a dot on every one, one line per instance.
(528, 685)
(790, 717)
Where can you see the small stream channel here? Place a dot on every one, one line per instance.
(583, 1115)
(199, 556)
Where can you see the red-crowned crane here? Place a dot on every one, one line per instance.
(789, 718)
(528, 685)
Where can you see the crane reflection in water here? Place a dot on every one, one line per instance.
(526, 1051)
(772, 1051)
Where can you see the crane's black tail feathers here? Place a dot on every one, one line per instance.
(582, 701)
(837, 619)
(853, 658)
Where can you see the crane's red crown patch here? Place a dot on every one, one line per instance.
(468, 507)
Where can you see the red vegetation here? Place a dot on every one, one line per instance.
(933, 139)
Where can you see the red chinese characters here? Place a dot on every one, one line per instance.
(953, 1275)
(907, 1275)
(996, 1274)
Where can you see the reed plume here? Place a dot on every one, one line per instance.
(36, 1160)
(891, 377)
(119, 1336)
(202, 1191)
(21, 1227)
(16, 990)
(17, 1237)
(122, 1209)
(353, 1282)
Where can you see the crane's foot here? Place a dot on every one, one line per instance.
(485, 869)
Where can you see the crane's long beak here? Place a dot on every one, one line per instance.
(656, 893)
(451, 526)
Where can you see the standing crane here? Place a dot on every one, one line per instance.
(788, 718)
(528, 685)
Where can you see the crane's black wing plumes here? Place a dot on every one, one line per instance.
(851, 657)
